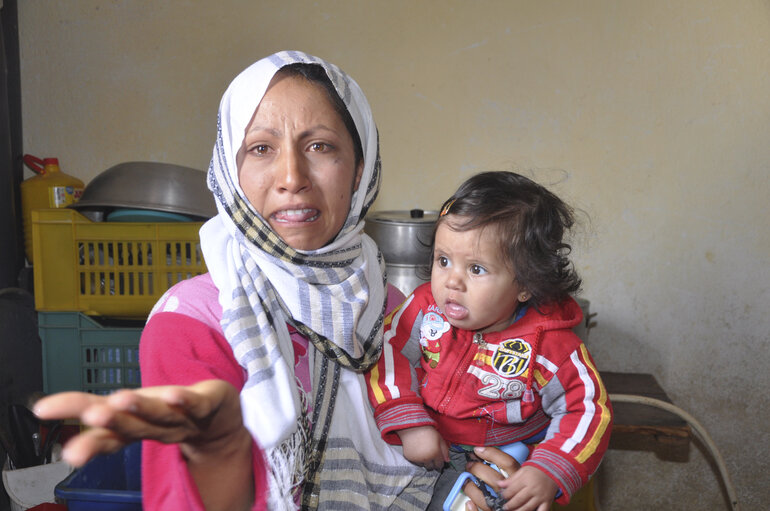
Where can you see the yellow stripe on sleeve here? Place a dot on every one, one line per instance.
(604, 420)
(376, 390)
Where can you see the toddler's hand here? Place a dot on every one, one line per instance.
(528, 489)
(424, 446)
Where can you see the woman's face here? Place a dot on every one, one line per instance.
(297, 164)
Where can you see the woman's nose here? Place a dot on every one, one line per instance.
(291, 172)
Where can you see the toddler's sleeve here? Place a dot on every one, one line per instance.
(393, 383)
(581, 422)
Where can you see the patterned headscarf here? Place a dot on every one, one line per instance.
(335, 295)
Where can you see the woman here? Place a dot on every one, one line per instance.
(253, 395)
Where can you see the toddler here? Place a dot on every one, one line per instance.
(484, 354)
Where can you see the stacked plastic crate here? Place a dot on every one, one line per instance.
(95, 284)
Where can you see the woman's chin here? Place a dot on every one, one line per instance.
(302, 237)
(309, 235)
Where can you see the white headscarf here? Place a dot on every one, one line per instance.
(335, 295)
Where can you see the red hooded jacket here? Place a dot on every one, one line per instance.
(495, 388)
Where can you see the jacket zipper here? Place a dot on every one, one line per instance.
(457, 378)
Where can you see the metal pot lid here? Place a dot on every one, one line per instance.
(412, 216)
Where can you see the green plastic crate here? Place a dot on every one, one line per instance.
(88, 353)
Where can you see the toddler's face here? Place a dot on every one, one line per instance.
(470, 280)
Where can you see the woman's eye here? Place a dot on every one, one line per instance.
(319, 146)
(260, 149)
(478, 269)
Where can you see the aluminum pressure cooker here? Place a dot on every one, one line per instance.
(404, 238)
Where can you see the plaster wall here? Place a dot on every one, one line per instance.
(652, 118)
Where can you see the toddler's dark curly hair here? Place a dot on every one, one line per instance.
(531, 223)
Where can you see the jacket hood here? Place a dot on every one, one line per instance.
(555, 316)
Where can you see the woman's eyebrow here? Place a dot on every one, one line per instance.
(276, 132)
(271, 131)
(316, 128)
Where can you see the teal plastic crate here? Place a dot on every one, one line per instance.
(88, 353)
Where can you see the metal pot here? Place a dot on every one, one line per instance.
(406, 277)
(150, 186)
(404, 238)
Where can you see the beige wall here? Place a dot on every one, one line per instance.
(652, 117)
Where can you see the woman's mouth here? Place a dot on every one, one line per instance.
(299, 215)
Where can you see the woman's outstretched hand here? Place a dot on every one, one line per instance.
(204, 419)
(199, 416)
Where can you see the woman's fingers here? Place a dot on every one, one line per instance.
(152, 408)
(146, 421)
(477, 498)
(66, 405)
(486, 474)
(88, 444)
(503, 461)
(161, 404)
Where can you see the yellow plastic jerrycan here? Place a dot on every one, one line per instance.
(50, 188)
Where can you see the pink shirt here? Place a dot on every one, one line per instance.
(182, 344)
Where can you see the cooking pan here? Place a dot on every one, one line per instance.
(149, 186)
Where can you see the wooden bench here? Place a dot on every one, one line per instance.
(638, 427)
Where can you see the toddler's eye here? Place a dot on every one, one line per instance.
(478, 269)
(442, 261)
